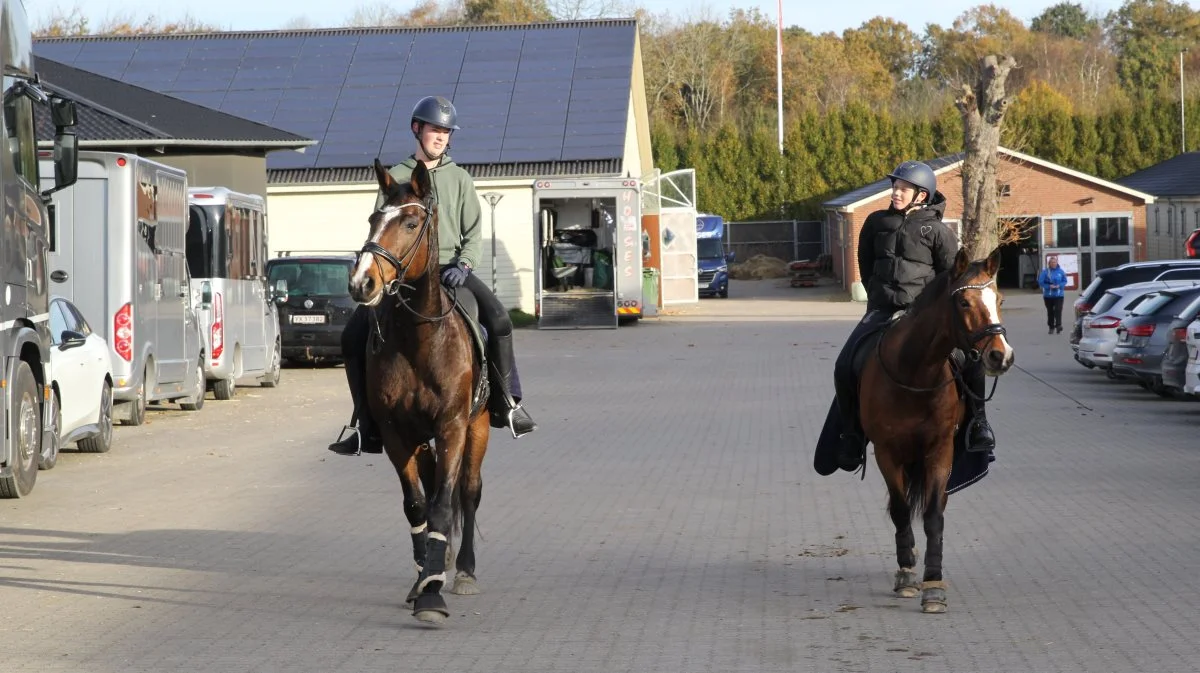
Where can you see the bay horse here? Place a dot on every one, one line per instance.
(910, 409)
(424, 384)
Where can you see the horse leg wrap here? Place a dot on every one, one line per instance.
(933, 596)
(419, 542)
(430, 602)
(433, 575)
(906, 585)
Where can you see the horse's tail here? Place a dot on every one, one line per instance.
(914, 476)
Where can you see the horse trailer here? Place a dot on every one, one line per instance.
(227, 260)
(589, 261)
(30, 438)
(119, 256)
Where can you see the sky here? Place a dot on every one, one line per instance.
(274, 14)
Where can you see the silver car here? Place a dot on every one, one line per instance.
(1099, 335)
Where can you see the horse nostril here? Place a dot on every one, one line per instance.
(995, 358)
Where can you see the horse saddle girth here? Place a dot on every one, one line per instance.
(468, 310)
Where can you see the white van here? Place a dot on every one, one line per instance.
(117, 252)
(227, 258)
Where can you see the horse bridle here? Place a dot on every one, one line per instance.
(991, 329)
(394, 286)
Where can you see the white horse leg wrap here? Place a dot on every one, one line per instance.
(437, 536)
(417, 530)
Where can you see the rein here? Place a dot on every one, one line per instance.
(396, 286)
(992, 329)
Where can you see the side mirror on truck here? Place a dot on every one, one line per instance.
(729, 256)
(281, 291)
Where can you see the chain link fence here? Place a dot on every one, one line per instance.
(785, 239)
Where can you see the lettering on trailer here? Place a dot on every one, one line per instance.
(629, 225)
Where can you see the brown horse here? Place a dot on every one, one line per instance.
(423, 383)
(910, 408)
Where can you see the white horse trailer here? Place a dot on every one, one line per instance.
(118, 255)
(227, 257)
(589, 262)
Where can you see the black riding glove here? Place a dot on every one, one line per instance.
(454, 275)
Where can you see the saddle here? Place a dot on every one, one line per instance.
(468, 309)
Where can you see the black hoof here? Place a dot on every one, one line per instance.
(431, 607)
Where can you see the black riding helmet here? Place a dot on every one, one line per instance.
(917, 174)
(437, 111)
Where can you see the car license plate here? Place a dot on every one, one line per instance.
(308, 319)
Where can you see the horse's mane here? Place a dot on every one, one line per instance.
(939, 286)
(935, 289)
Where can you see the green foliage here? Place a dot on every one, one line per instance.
(1066, 19)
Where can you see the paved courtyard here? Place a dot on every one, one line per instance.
(665, 518)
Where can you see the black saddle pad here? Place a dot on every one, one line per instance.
(468, 308)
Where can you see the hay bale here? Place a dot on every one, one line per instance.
(759, 267)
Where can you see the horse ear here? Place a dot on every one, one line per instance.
(961, 261)
(420, 181)
(386, 183)
(993, 263)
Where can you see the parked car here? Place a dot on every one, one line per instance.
(1191, 374)
(312, 293)
(81, 383)
(1128, 274)
(1142, 337)
(1191, 247)
(1099, 326)
(1177, 356)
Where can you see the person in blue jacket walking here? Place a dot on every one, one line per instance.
(1053, 281)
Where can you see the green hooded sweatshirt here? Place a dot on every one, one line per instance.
(459, 215)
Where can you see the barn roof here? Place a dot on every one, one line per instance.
(528, 96)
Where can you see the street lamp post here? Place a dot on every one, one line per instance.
(1182, 118)
(493, 198)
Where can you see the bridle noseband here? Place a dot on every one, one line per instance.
(395, 286)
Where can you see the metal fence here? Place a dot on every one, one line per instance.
(785, 239)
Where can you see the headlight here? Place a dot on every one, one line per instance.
(722, 269)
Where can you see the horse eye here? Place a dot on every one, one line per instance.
(964, 303)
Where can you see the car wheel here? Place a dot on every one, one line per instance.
(137, 408)
(224, 389)
(101, 442)
(49, 457)
(196, 402)
(25, 424)
(1110, 373)
(271, 380)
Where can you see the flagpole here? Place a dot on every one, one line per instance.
(779, 70)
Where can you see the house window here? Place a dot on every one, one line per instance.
(1066, 233)
(1156, 227)
(1170, 219)
(1004, 189)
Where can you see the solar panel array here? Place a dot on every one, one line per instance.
(523, 94)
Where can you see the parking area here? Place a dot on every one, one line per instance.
(665, 517)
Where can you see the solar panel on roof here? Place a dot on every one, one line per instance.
(526, 154)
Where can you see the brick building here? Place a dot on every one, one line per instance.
(1088, 222)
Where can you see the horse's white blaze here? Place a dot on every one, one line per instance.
(365, 260)
(991, 301)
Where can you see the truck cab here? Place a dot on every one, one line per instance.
(712, 262)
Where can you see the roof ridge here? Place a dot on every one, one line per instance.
(371, 30)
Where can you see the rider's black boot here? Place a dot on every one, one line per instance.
(851, 448)
(979, 435)
(504, 404)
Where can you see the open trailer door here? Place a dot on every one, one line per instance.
(673, 197)
(589, 262)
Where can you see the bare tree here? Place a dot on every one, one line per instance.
(982, 109)
(570, 10)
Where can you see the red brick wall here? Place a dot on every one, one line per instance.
(1034, 190)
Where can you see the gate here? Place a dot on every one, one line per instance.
(672, 197)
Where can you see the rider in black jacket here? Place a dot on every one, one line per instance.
(900, 250)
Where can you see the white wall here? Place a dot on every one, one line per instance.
(334, 218)
(1168, 224)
